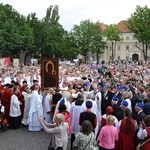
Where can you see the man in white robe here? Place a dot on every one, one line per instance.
(97, 96)
(94, 107)
(47, 101)
(36, 111)
(27, 100)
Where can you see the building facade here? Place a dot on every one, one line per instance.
(128, 49)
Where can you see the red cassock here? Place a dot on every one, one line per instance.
(1, 88)
(32, 88)
(6, 97)
(146, 146)
(22, 88)
(126, 140)
(103, 122)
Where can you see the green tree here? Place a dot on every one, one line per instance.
(70, 49)
(97, 43)
(52, 15)
(53, 41)
(82, 35)
(16, 36)
(39, 29)
(139, 24)
(26, 46)
(54, 34)
(89, 38)
(113, 35)
(9, 36)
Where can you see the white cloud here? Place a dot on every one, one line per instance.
(73, 11)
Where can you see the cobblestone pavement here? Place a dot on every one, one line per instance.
(22, 139)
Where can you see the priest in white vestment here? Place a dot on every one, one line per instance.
(47, 101)
(36, 111)
(27, 100)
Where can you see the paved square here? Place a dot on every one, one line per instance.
(22, 139)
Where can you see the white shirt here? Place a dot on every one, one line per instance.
(7, 80)
(2, 108)
(14, 106)
(142, 134)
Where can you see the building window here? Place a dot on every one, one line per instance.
(148, 57)
(149, 46)
(110, 48)
(127, 57)
(127, 47)
(118, 57)
(110, 58)
(127, 38)
(118, 47)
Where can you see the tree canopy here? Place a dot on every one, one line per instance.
(139, 24)
(113, 35)
(31, 36)
(88, 37)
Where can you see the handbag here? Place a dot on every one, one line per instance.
(87, 143)
(76, 148)
(141, 144)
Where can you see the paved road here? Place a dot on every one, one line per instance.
(22, 139)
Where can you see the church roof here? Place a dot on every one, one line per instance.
(122, 25)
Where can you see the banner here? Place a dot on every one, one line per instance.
(5, 62)
(2, 62)
(49, 73)
(16, 62)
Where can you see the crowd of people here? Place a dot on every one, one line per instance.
(105, 106)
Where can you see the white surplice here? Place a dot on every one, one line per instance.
(27, 100)
(36, 110)
(47, 108)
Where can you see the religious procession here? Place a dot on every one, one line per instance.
(105, 106)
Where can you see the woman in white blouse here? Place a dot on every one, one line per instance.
(15, 112)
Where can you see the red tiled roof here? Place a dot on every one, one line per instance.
(123, 27)
(102, 25)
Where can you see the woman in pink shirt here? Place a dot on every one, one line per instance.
(108, 135)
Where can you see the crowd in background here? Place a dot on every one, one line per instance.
(105, 105)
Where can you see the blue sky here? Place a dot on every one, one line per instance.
(74, 11)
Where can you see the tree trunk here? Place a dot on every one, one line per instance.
(85, 58)
(112, 51)
(146, 48)
(21, 57)
(25, 58)
(115, 51)
(97, 58)
(144, 51)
